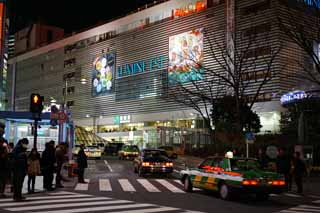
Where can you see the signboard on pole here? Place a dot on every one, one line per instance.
(249, 138)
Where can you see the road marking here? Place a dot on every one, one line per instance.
(176, 171)
(169, 186)
(54, 206)
(291, 195)
(102, 208)
(308, 206)
(316, 201)
(274, 195)
(126, 185)
(302, 208)
(46, 197)
(108, 165)
(54, 201)
(159, 209)
(83, 186)
(148, 186)
(104, 185)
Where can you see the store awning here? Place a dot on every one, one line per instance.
(82, 136)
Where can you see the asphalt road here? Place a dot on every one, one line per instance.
(114, 187)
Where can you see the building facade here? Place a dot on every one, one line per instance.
(125, 64)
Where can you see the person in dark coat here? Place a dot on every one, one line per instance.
(299, 169)
(283, 164)
(20, 166)
(48, 165)
(82, 164)
(3, 167)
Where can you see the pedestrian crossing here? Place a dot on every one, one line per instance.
(70, 202)
(303, 208)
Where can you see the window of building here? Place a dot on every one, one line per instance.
(256, 8)
(70, 103)
(69, 92)
(260, 51)
(259, 29)
(261, 74)
(69, 75)
(69, 63)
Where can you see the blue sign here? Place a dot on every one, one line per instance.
(293, 97)
(249, 136)
(140, 67)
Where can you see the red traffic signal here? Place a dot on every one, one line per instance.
(36, 103)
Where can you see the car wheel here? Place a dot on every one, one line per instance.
(187, 185)
(262, 196)
(224, 192)
(140, 172)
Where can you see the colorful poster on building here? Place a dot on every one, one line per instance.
(103, 74)
(186, 57)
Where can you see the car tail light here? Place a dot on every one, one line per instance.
(169, 164)
(249, 182)
(145, 164)
(278, 182)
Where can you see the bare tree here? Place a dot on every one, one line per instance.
(241, 74)
(301, 23)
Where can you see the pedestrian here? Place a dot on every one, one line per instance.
(263, 159)
(33, 169)
(10, 165)
(82, 163)
(60, 157)
(3, 166)
(48, 165)
(20, 165)
(283, 164)
(299, 169)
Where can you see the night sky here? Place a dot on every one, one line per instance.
(72, 15)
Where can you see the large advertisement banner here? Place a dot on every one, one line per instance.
(186, 57)
(103, 74)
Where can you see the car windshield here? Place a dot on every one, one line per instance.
(130, 149)
(154, 153)
(92, 147)
(244, 164)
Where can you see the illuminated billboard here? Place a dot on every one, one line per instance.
(103, 74)
(186, 57)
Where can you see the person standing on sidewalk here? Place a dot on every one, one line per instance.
(299, 169)
(283, 164)
(20, 165)
(60, 154)
(3, 167)
(82, 163)
(48, 165)
(33, 169)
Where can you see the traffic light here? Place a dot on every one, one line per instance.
(36, 103)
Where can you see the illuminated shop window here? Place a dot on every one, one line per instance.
(189, 9)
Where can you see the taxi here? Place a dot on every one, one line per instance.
(231, 176)
(92, 151)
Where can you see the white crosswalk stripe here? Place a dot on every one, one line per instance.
(302, 208)
(62, 203)
(104, 185)
(126, 185)
(169, 186)
(148, 186)
(83, 186)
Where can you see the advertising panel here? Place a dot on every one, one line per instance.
(186, 57)
(103, 74)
